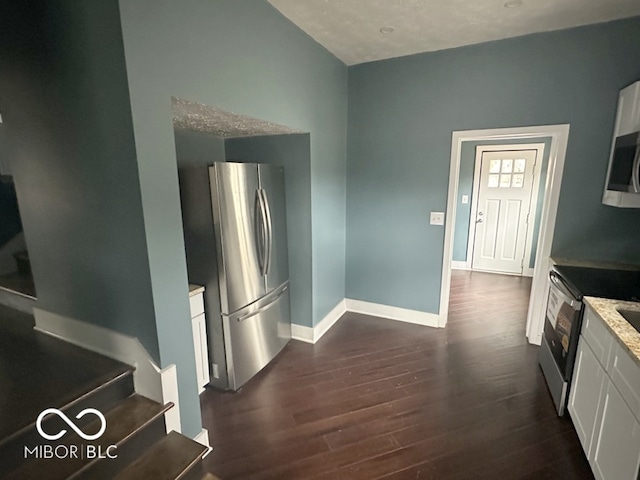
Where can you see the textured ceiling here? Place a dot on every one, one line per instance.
(204, 118)
(350, 29)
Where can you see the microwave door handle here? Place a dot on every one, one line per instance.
(635, 175)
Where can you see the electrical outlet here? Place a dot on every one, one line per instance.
(216, 370)
(437, 218)
(465, 199)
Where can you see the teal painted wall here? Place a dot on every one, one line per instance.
(65, 107)
(465, 187)
(401, 116)
(243, 57)
(292, 152)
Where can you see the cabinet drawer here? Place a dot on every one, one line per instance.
(196, 304)
(596, 334)
(625, 375)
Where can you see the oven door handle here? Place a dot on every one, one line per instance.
(566, 295)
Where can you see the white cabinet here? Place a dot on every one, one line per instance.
(616, 452)
(199, 330)
(604, 402)
(586, 390)
(628, 115)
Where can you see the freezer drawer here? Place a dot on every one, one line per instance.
(254, 335)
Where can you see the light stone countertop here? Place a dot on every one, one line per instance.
(622, 330)
(195, 289)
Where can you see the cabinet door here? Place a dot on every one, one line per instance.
(200, 347)
(586, 389)
(628, 120)
(616, 455)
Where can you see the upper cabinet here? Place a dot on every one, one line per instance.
(622, 187)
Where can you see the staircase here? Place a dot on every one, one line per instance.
(39, 372)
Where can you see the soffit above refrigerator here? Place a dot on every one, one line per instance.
(203, 118)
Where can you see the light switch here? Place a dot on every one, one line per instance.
(437, 218)
(465, 198)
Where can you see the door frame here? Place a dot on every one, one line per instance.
(559, 137)
(533, 208)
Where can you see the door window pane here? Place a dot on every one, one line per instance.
(494, 166)
(507, 165)
(518, 181)
(520, 165)
(505, 181)
(493, 181)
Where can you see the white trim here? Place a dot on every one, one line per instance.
(393, 313)
(302, 333)
(527, 272)
(456, 265)
(169, 381)
(160, 385)
(312, 335)
(533, 206)
(559, 136)
(203, 439)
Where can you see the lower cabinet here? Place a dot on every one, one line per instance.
(616, 453)
(200, 346)
(586, 390)
(607, 427)
(198, 328)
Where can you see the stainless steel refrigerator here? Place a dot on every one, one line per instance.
(247, 280)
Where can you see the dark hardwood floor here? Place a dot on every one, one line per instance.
(377, 398)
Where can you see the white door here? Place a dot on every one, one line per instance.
(503, 211)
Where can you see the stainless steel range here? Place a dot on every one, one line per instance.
(567, 286)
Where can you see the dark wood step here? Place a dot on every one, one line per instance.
(174, 457)
(124, 422)
(41, 372)
(209, 476)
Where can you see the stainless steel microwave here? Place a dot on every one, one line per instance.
(623, 179)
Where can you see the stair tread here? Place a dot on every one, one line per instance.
(167, 459)
(209, 476)
(125, 419)
(40, 371)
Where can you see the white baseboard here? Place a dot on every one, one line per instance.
(393, 313)
(160, 385)
(527, 272)
(203, 439)
(456, 265)
(312, 335)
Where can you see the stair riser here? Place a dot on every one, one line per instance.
(12, 453)
(133, 448)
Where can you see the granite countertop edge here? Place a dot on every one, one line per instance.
(195, 289)
(622, 330)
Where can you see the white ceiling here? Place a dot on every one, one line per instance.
(350, 29)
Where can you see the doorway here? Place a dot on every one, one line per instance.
(558, 135)
(504, 206)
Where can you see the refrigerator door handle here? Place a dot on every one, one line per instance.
(269, 232)
(262, 308)
(635, 175)
(260, 230)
